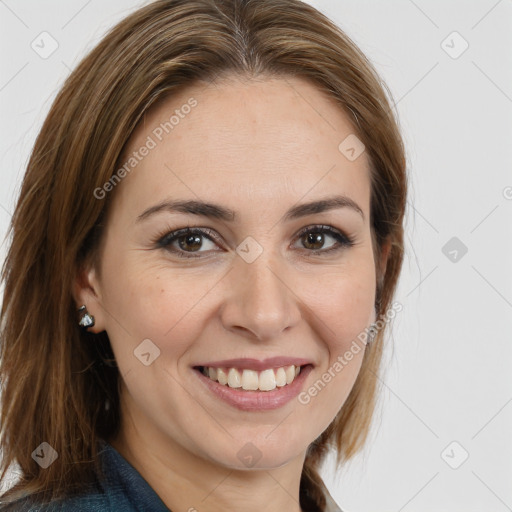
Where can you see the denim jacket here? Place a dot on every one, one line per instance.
(123, 490)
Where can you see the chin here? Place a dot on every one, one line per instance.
(258, 451)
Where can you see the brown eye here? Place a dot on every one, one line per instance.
(190, 242)
(185, 242)
(313, 239)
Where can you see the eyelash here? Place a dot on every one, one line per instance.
(164, 240)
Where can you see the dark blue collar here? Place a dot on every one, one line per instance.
(123, 484)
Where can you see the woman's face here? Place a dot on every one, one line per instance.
(245, 290)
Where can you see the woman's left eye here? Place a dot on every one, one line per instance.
(315, 235)
(190, 240)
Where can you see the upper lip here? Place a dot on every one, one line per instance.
(256, 364)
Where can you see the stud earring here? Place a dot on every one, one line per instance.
(86, 320)
(372, 332)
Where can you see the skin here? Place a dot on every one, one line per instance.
(258, 147)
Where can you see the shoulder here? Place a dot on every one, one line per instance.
(91, 499)
(85, 503)
(113, 492)
(118, 487)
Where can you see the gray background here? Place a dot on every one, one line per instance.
(447, 388)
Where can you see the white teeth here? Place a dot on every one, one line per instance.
(251, 380)
(267, 380)
(280, 378)
(234, 378)
(290, 374)
(222, 376)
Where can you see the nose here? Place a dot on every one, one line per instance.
(261, 301)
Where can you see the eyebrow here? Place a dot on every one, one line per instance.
(215, 211)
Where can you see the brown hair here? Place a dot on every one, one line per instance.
(55, 378)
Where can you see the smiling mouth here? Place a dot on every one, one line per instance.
(252, 380)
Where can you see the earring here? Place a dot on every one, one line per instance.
(86, 320)
(372, 332)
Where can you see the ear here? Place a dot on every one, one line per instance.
(87, 292)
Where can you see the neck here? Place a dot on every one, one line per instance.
(187, 482)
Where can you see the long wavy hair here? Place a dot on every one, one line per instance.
(55, 378)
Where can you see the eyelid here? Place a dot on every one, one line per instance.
(325, 228)
(170, 234)
(163, 240)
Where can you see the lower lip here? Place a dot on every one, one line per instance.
(256, 400)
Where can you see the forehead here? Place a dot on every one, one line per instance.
(263, 139)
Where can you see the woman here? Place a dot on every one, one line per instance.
(204, 254)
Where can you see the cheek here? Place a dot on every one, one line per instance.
(351, 311)
(343, 306)
(157, 303)
(342, 303)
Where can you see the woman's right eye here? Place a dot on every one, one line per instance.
(189, 241)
